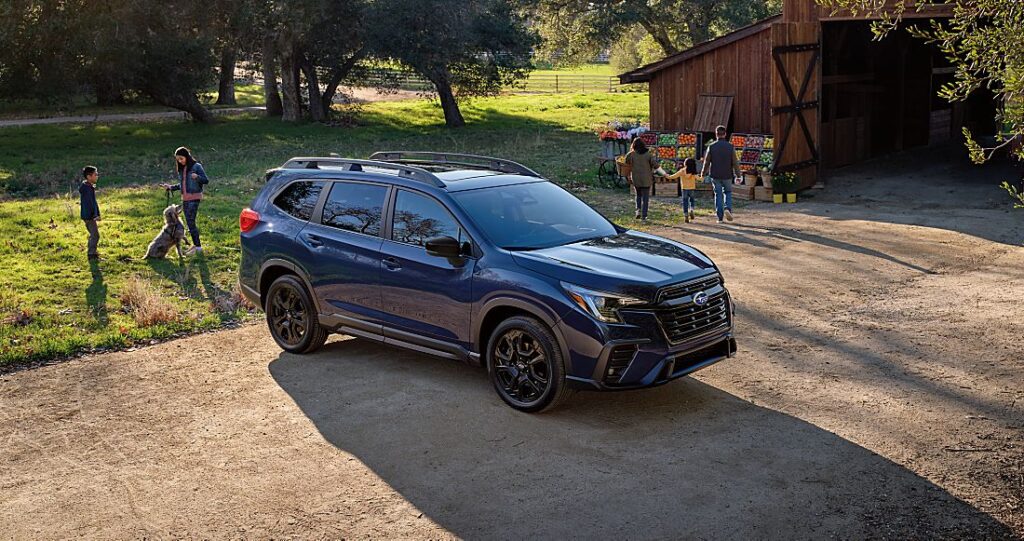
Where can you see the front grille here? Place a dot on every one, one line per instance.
(618, 360)
(691, 321)
(679, 291)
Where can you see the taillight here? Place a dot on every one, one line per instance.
(248, 220)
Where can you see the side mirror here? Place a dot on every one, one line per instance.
(444, 247)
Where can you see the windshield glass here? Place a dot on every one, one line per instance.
(531, 216)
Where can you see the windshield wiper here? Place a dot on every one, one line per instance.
(521, 248)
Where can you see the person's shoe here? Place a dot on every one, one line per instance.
(692, 215)
(195, 250)
(728, 215)
(686, 217)
(636, 216)
(719, 220)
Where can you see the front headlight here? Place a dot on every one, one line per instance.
(603, 306)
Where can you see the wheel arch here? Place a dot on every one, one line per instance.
(272, 269)
(499, 309)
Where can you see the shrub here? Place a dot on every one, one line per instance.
(146, 305)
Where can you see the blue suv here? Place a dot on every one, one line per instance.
(481, 260)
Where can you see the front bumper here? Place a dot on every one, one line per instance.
(637, 354)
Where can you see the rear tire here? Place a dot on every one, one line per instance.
(526, 366)
(292, 317)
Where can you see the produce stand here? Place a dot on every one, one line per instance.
(753, 150)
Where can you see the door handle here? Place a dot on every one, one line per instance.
(392, 263)
(314, 241)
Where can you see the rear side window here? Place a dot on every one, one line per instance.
(418, 218)
(355, 207)
(299, 198)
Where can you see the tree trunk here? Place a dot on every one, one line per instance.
(271, 95)
(660, 36)
(452, 114)
(337, 76)
(226, 88)
(291, 93)
(187, 103)
(317, 111)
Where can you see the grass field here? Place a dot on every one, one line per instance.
(53, 303)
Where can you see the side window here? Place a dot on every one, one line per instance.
(299, 198)
(355, 207)
(418, 218)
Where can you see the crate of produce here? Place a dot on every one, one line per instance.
(763, 194)
(755, 142)
(687, 152)
(738, 141)
(667, 153)
(667, 139)
(670, 166)
(739, 155)
(649, 138)
(766, 158)
(751, 156)
(769, 143)
(743, 192)
(687, 139)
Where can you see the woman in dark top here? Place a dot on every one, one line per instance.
(643, 165)
(192, 178)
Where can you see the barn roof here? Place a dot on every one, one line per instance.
(644, 73)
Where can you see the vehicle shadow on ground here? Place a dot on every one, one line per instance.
(682, 460)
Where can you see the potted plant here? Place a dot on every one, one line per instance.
(785, 184)
(766, 175)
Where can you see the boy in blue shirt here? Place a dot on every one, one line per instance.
(90, 210)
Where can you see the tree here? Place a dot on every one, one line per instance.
(464, 48)
(109, 47)
(984, 41)
(318, 42)
(576, 30)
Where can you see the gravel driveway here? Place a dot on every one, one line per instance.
(877, 393)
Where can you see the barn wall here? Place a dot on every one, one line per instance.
(741, 69)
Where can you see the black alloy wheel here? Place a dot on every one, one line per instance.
(525, 364)
(292, 318)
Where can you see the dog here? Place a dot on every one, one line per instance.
(172, 234)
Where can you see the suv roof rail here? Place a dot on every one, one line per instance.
(471, 161)
(403, 170)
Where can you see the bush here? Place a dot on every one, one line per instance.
(146, 305)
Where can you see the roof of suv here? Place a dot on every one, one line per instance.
(446, 171)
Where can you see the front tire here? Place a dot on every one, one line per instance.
(526, 366)
(292, 318)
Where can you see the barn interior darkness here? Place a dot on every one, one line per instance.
(880, 96)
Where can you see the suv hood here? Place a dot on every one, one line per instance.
(631, 263)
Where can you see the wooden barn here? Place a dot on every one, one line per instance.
(819, 83)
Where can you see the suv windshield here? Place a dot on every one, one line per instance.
(532, 216)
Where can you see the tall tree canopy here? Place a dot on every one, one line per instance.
(575, 30)
(463, 47)
(984, 40)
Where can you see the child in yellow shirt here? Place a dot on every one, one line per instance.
(687, 176)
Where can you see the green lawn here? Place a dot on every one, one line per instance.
(53, 303)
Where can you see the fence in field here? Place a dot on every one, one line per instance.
(536, 82)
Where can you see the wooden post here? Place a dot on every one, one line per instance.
(556, 83)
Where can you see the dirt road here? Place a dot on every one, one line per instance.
(877, 394)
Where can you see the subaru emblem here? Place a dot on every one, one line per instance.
(700, 299)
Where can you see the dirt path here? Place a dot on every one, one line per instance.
(877, 394)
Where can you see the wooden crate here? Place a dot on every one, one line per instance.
(763, 194)
(743, 192)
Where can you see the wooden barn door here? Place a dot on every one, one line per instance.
(796, 57)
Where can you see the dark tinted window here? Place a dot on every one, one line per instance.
(418, 218)
(355, 207)
(298, 199)
(530, 216)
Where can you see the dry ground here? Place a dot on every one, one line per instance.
(877, 393)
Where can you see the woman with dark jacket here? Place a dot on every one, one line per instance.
(192, 179)
(643, 166)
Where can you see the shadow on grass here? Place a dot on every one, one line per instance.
(96, 293)
(682, 460)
